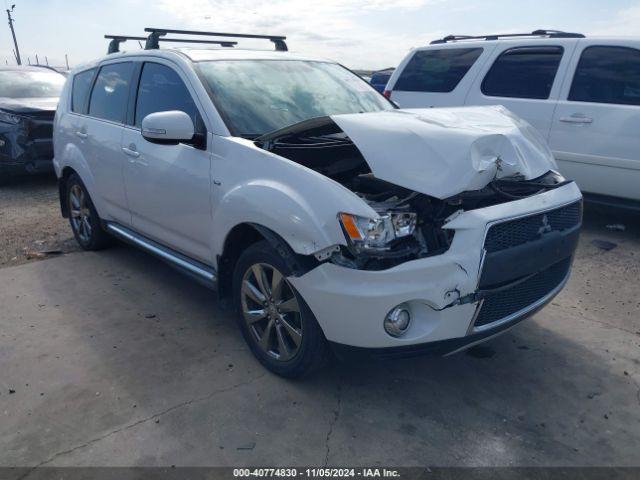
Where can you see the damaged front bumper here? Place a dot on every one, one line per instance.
(505, 262)
(26, 147)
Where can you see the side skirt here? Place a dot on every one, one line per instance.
(202, 273)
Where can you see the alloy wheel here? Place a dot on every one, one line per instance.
(80, 213)
(271, 311)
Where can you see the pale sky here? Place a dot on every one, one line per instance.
(367, 34)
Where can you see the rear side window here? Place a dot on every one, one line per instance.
(526, 72)
(436, 70)
(607, 75)
(161, 89)
(111, 91)
(80, 91)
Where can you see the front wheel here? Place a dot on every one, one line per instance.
(278, 325)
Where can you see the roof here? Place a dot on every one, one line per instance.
(528, 39)
(205, 54)
(23, 68)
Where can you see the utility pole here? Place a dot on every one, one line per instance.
(15, 42)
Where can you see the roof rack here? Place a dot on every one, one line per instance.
(116, 40)
(535, 33)
(156, 33)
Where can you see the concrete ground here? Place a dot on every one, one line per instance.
(113, 358)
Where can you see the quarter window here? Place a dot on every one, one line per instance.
(607, 75)
(160, 90)
(526, 72)
(436, 70)
(111, 91)
(80, 92)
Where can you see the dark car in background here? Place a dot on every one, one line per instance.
(380, 78)
(28, 101)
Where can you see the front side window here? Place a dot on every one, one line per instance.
(80, 92)
(260, 96)
(30, 84)
(607, 75)
(111, 91)
(526, 72)
(436, 70)
(160, 90)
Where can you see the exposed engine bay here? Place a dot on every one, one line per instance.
(410, 224)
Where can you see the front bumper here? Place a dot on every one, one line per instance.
(26, 148)
(463, 296)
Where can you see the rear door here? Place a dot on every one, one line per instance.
(168, 185)
(525, 78)
(596, 128)
(100, 135)
(437, 76)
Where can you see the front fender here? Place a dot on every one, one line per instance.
(297, 203)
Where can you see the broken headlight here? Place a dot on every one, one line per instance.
(378, 233)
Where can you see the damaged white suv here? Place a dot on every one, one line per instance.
(327, 216)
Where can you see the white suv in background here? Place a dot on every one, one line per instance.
(326, 215)
(582, 94)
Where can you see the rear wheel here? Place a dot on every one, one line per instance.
(83, 217)
(278, 325)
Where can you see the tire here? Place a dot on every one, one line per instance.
(283, 352)
(83, 217)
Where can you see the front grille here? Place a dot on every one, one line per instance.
(522, 230)
(499, 305)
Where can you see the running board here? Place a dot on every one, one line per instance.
(198, 270)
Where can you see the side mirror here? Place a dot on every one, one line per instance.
(167, 127)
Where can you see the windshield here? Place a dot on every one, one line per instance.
(259, 96)
(30, 84)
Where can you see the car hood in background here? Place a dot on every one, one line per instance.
(29, 105)
(445, 151)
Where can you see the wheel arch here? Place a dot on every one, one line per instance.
(243, 235)
(62, 189)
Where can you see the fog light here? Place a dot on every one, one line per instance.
(397, 321)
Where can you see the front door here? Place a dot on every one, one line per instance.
(168, 186)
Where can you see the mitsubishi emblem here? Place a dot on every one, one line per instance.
(546, 227)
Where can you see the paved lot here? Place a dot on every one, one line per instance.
(115, 359)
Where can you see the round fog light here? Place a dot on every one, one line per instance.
(397, 321)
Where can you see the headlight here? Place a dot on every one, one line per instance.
(377, 234)
(7, 117)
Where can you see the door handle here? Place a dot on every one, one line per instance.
(82, 135)
(131, 153)
(576, 118)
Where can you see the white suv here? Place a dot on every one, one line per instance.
(326, 215)
(582, 94)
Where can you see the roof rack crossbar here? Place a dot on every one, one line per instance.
(498, 36)
(116, 40)
(155, 33)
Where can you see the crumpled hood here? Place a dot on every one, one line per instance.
(28, 105)
(444, 151)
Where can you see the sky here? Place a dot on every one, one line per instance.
(361, 34)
